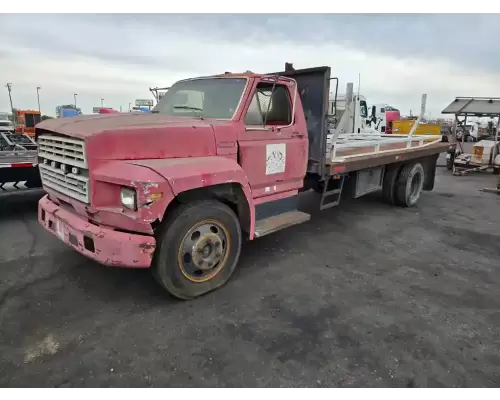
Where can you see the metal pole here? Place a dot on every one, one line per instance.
(38, 98)
(102, 102)
(9, 88)
(494, 154)
(420, 116)
(129, 106)
(74, 95)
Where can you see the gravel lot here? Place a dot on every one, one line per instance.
(362, 295)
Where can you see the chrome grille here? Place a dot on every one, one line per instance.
(64, 150)
(63, 166)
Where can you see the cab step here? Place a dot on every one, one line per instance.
(277, 222)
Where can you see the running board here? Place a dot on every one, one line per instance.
(272, 224)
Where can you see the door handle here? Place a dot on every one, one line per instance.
(297, 134)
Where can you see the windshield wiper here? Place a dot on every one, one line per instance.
(189, 108)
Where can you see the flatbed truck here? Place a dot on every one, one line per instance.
(219, 160)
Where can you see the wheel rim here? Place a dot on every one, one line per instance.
(415, 186)
(203, 251)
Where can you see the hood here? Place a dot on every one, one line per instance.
(85, 126)
(138, 136)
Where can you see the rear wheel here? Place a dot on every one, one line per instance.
(409, 185)
(198, 249)
(389, 185)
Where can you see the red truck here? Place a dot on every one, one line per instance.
(218, 160)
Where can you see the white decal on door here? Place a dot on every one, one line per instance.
(275, 158)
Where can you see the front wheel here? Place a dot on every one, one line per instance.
(198, 248)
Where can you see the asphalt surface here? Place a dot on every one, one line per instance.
(362, 295)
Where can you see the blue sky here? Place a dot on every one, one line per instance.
(118, 56)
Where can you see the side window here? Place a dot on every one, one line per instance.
(363, 109)
(273, 110)
(382, 110)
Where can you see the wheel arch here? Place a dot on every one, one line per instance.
(232, 194)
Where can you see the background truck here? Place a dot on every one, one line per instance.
(25, 121)
(67, 110)
(378, 117)
(6, 125)
(18, 162)
(188, 182)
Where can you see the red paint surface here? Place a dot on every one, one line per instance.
(185, 174)
(111, 248)
(104, 110)
(252, 151)
(391, 116)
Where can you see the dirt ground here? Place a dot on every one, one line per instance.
(362, 295)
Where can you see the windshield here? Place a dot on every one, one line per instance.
(32, 120)
(216, 98)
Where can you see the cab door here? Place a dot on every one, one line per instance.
(272, 151)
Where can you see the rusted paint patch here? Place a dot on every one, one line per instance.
(146, 187)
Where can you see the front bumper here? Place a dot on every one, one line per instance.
(103, 245)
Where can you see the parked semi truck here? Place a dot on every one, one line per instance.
(188, 182)
(378, 117)
(18, 161)
(26, 121)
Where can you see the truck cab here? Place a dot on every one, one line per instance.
(222, 137)
(382, 117)
(26, 121)
(362, 118)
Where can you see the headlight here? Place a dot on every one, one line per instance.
(129, 198)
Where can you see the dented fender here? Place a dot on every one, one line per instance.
(183, 174)
(153, 196)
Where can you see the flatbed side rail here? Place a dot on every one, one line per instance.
(374, 144)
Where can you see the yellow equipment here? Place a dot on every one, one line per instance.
(403, 127)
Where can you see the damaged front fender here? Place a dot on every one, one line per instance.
(153, 196)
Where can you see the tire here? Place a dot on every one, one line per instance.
(409, 184)
(389, 184)
(184, 272)
(496, 171)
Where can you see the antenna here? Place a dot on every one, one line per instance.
(359, 82)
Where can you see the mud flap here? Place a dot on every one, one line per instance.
(429, 164)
